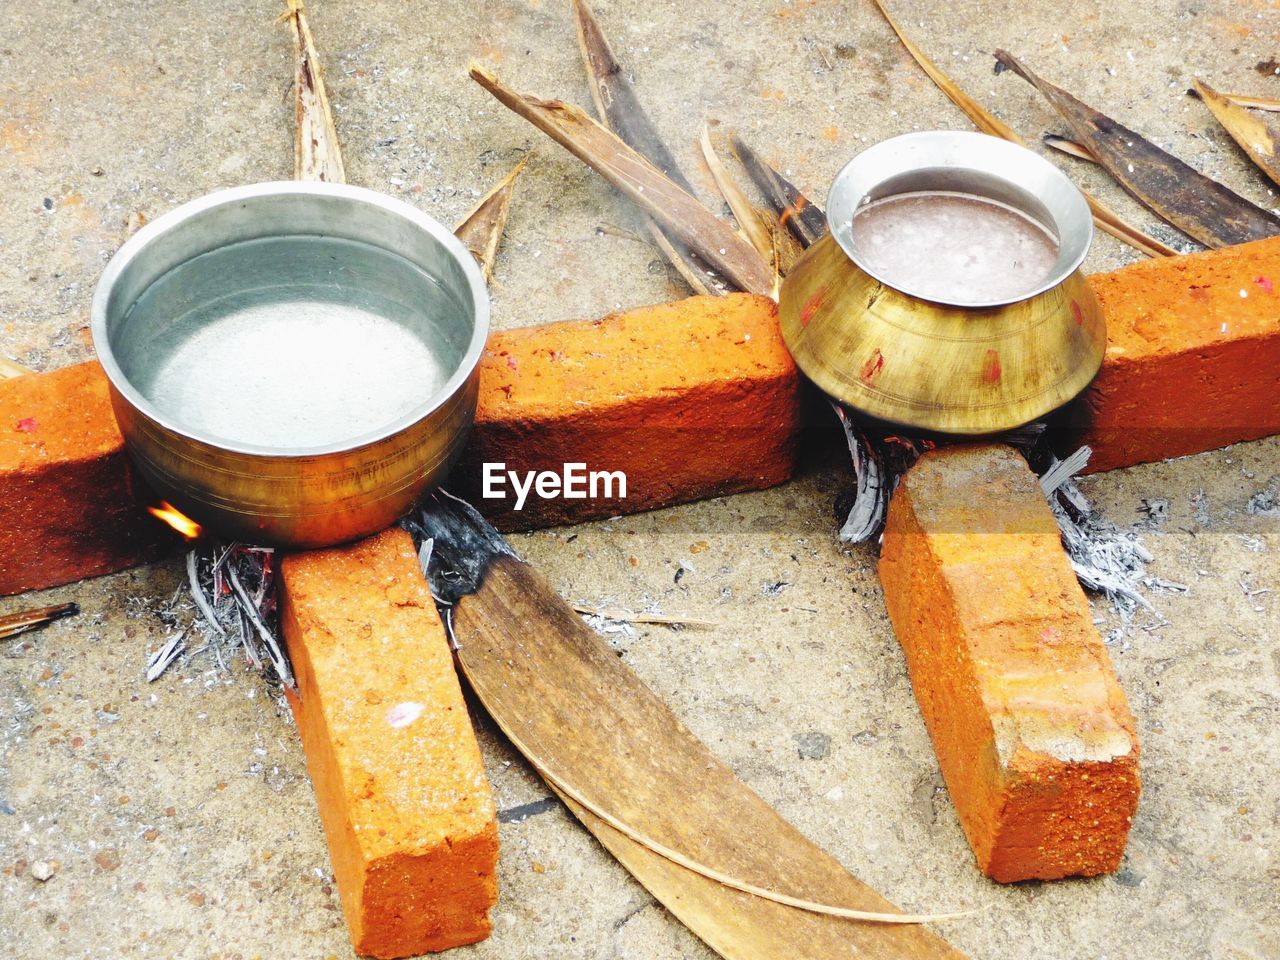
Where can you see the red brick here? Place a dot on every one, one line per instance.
(393, 759)
(70, 509)
(691, 399)
(1031, 729)
(1193, 358)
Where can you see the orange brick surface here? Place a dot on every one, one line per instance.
(690, 399)
(1193, 358)
(1031, 729)
(68, 509)
(397, 772)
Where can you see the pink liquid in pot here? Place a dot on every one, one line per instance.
(953, 247)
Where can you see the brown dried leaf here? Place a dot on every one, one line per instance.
(1254, 103)
(619, 109)
(1106, 218)
(675, 210)
(316, 153)
(787, 249)
(1070, 147)
(17, 623)
(1257, 136)
(743, 210)
(1190, 201)
(804, 219)
(481, 230)
(10, 369)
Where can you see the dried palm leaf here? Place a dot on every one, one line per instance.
(1071, 148)
(1258, 137)
(1254, 103)
(624, 615)
(481, 230)
(316, 153)
(10, 369)
(739, 205)
(1199, 206)
(620, 758)
(619, 109)
(616, 99)
(787, 249)
(675, 210)
(1106, 218)
(18, 623)
(805, 220)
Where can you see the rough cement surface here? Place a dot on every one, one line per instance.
(176, 819)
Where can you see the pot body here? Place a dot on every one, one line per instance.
(350, 472)
(299, 502)
(931, 366)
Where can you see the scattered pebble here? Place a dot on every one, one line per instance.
(813, 745)
(42, 871)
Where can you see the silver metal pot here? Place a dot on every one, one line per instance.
(292, 363)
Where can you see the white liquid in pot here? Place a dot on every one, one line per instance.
(953, 247)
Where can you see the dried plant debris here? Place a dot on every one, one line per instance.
(233, 589)
(1106, 559)
(1106, 218)
(481, 230)
(750, 220)
(733, 259)
(1253, 103)
(599, 616)
(316, 153)
(881, 458)
(1199, 206)
(16, 624)
(620, 111)
(1071, 148)
(10, 369)
(1258, 136)
(805, 220)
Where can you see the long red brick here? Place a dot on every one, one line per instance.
(1193, 358)
(690, 399)
(68, 507)
(1031, 729)
(397, 773)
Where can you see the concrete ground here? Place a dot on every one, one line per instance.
(177, 817)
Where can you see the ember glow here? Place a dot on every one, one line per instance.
(176, 519)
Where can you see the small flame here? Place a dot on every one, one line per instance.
(176, 519)
(793, 210)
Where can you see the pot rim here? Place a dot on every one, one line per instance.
(1027, 181)
(155, 232)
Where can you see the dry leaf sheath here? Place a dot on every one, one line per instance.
(18, 623)
(628, 616)
(10, 369)
(804, 219)
(1253, 103)
(671, 812)
(742, 208)
(316, 153)
(618, 108)
(1258, 136)
(1070, 147)
(642, 182)
(1106, 218)
(481, 230)
(1190, 201)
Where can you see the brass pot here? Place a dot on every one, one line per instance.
(292, 364)
(971, 368)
